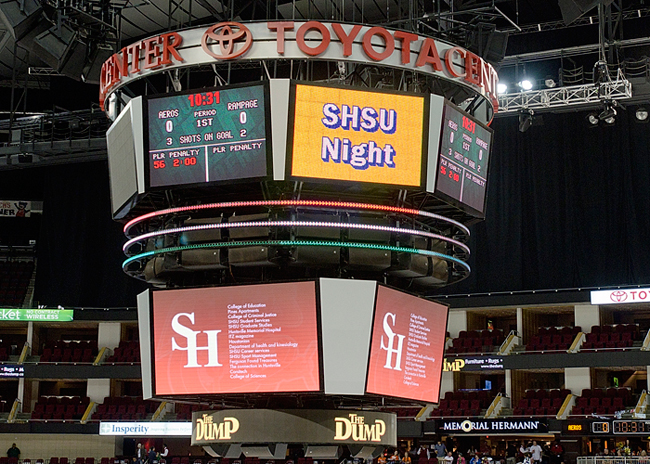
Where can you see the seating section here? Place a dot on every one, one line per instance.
(14, 281)
(60, 408)
(403, 413)
(5, 351)
(125, 408)
(553, 338)
(126, 352)
(184, 411)
(603, 401)
(619, 336)
(541, 402)
(463, 404)
(477, 341)
(77, 351)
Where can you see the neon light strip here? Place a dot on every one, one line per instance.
(330, 204)
(224, 225)
(297, 243)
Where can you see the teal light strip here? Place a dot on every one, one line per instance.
(369, 246)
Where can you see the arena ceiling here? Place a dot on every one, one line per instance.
(539, 43)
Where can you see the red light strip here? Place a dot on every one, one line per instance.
(316, 203)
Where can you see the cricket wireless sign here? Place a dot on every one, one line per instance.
(294, 426)
(288, 40)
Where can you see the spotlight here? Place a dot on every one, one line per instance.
(592, 119)
(641, 114)
(525, 119)
(526, 84)
(608, 115)
(501, 88)
(601, 72)
(550, 82)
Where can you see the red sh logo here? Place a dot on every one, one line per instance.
(192, 347)
(388, 330)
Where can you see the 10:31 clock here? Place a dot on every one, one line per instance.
(204, 99)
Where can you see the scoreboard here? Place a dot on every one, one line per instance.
(214, 135)
(463, 158)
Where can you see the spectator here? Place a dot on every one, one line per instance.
(13, 452)
(536, 453)
(152, 457)
(423, 454)
(556, 452)
(449, 459)
(441, 451)
(139, 454)
(164, 454)
(406, 459)
(511, 453)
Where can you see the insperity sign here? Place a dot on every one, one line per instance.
(294, 426)
(299, 40)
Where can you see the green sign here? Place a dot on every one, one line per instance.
(49, 315)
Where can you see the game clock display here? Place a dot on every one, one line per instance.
(211, 135)
(463, 163)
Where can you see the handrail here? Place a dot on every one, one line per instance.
(646, 342)
(23, 353)
(100, 356)
(641, 404)
(14, 411)
(567, 404)
(493, 405)
(158, 415)
(577, 342)
(88, 412)
(508, 344)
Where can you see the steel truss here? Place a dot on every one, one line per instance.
(573, 95)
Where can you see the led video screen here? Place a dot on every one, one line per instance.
(464, 155)
(242, 339)
(211, 135)
(407, 346)
(359, 136)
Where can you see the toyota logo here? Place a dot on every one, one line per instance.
(227, 35)
(618, 296)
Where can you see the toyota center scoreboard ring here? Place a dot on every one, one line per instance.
(210, 135)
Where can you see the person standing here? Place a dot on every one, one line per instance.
(164, 454)
(441, 451)
(139, 454)
(152, 457)
(13, 452)
(423, 454)
(536, 453)
(406, 459)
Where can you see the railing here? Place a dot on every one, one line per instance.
(100, 356)
(160, 412)
(566, 407)
(613, 460)
(641, 404)
(646, 342)
(88, 412)
(14, 411)
(577, 342)
(24, 353)
(508, 345)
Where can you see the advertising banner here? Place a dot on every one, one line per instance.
(17, 208)
(23, 314)
(620, 296)
(492, 426)
(11, 371)
(294, 426)
(360, 136)
(406, 352)
(146, 429)
(473, 363)
(250, 338)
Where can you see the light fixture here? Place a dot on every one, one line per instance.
(550, 82)
(526, 84)
(641, 114)
(608, 115)
(592, 119)
(525, 119)
(501, 88)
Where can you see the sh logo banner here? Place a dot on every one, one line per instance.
(388, 343)
(191, 346)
